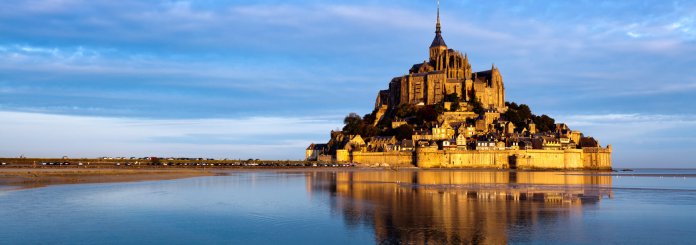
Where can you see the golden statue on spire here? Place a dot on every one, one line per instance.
(437, 25)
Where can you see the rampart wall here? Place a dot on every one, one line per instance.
(430, 157)
(397, 158)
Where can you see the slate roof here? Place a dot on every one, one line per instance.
(438, 41)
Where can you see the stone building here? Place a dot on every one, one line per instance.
(447, 71)
(382, 143)
(314, 150)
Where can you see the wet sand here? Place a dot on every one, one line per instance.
(30, 178)
(23, 177)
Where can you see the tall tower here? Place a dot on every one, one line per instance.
(438, 45)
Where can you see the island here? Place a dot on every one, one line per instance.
(444, 115)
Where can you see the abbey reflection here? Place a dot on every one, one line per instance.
(456, 206)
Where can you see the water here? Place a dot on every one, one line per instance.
(362, 207)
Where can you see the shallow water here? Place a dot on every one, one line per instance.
(362, 207)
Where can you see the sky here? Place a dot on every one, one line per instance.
(263, 79)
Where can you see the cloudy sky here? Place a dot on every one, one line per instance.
(263, 79)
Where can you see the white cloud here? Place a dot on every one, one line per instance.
(627, 127)
(684, 25)
(225, 74)
(659, 88)
(591, 119)
(644, 140)
(634, 34)
(40, 54)
(46, 135)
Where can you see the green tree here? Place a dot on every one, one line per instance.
(588, 142)
(477, 107)
(369, 118)
(476, 104)
(524, 112)
(353, 124)
(368, 130)
(518, 114)
(439, 108)
(404, 132)
(427, 114)
(512, 116)
(454, 106)
(454, 99)
(544, 123)
(405, 111)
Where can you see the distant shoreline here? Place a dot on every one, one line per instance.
(148, 162)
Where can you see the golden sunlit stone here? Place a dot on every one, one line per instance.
(443, 115)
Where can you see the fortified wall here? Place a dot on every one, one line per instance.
(396, 159)
(594, 158)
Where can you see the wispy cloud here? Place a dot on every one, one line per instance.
(46, 135)
(660, 89)
(657, 122)
(685, 26)
(641, 140)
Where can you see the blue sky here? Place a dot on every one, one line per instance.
(262, 79)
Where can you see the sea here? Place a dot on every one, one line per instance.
(362, 206)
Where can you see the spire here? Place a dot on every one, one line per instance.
(437, 26)
(438, 41)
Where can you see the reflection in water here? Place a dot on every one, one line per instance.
(457, 206)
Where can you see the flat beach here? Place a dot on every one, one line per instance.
(38, 177)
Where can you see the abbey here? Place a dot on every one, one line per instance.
(441, 114)
(446, 72)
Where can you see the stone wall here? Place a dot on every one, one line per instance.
(561, 159)
(342, 156)
(548, 159)
(597, 157)
(396, 158)
(431, 157)
(325, 158)
(311, 155)
(592, 158)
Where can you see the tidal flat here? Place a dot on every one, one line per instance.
(40, 177)
(358, 206)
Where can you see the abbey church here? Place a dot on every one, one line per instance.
(446, 72)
